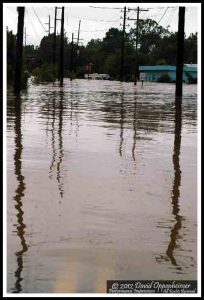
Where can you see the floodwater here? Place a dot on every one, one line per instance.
(101, 185)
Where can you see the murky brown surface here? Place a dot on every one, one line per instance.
(101, 184)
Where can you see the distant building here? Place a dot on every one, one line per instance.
(97, 76)
(156, 73)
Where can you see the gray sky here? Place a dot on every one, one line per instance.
(95, 21)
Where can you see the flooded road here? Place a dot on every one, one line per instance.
(101, 185)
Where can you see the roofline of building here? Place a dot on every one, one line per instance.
(166, 68)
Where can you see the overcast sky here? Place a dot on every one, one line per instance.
(95, 20)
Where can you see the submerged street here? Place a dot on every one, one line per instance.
(101, 185)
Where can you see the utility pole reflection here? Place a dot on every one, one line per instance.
(53, 136)
(134, 127)
(122, 112)
(60, 184)
(177, 182)
(57, 148)
(176, 189)
(19, 196)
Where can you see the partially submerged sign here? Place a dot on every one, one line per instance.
(143, 76)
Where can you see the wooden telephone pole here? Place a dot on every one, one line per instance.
(25, 35)
(54, 42)
(61, 69)
(49, 27)
(180, 52)
(77, 48)
(71, 58)
(19, 51)
(78, 33)
(122, 48)
(136, 73)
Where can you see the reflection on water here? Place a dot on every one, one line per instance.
(20, 191)
(176, 184)
(53, 133)
(122, 116)
(134, 127)
(60, 147)
(57, 135)
(80, 143)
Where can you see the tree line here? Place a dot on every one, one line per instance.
(156, 46)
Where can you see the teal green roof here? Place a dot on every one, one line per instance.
(166, 68)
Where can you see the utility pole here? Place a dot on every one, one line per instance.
(49, 27)
(25, 54)
(61, 71)
(136, 60)
(25, 35)
(180, 53)
(78, 33)
(55, 34)
(54, 43)
(19, 51)
(122, 47)
(71, 58)
(136, 73)
(77, 47)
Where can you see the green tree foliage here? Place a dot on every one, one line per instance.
(166, 50)
(45, 51)
(149, 35)
(190, 53)
(31, 51)
(156, 46)
(112, 65)
(46, 48)
(95, 55)
(112, 40)
(47, 73)
(11, 54)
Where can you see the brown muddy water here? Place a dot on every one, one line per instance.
(101, 185)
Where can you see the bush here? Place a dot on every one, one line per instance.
(164, 78)
(72, 75)
(47, 73)
(25, 77)
(190, 78)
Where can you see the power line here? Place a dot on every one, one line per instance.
(107, 7)
(38, 19)
(50, 8)
(153, 16)
(159, 7)
(163, 15)
(93, 30)
(171, 16)
(100, 30)
(32, 24)
(94, 19)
